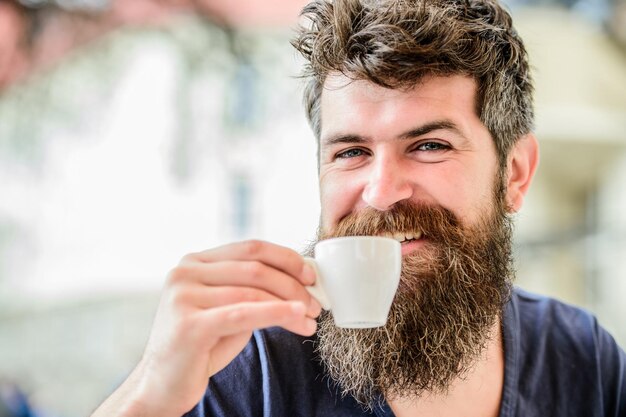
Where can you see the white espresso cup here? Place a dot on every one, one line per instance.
(357, 278)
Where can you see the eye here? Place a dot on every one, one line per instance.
(432, 146)
(350, 153)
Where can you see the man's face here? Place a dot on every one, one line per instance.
(426, 145)
(418, 165)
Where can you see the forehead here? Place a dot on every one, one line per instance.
(361, 106)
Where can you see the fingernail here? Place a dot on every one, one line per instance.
(314, 308)
(308, 275)
(312, 326)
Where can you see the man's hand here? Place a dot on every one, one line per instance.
(211, 303)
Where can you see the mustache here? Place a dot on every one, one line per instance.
(434, 223)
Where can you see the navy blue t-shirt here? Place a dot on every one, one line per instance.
(558, 362)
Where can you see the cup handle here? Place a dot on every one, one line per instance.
(316, 290)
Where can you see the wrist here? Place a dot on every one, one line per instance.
(134, 399)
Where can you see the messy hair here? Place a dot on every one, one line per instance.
(396, 43)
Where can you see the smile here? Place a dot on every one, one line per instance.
(403, 237)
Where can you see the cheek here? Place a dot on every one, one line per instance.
(338, 198)
(480, 199)
(465, 195)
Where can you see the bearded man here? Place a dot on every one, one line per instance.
(423, 114)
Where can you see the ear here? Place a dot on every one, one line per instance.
(521, 166)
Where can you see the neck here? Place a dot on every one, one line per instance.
(477, 394)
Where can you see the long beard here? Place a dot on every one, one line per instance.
(450, 296)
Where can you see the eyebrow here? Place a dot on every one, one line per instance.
(411, 134)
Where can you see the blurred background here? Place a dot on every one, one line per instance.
(133, 132)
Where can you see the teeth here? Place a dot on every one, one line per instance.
(401, 237)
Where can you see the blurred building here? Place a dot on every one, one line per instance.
(138, 144)
(125, 156)
(571, 235)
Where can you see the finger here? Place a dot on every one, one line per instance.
(245, 317)
(278, 257)
(303, 327)
(251, 274)
(205, 297)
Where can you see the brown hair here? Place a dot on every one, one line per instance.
(396, 43)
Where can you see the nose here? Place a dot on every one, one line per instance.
(387, 184)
